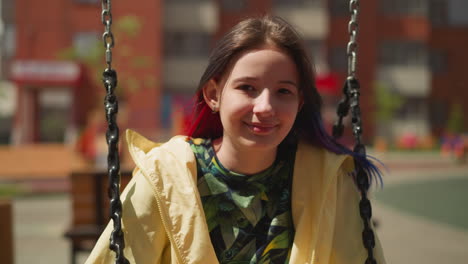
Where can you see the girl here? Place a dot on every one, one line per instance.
(257, 180)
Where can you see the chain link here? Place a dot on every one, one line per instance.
(351, 49)
(117, 242)
(342, 112)
(107, 37)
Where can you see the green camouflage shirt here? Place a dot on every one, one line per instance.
(248, 216)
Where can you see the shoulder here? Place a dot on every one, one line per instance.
(137, 142)
(151, 156)
(139, 146)
(313, 158)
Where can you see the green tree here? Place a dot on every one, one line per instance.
(387, 102)
(386, 105)
(455, 123)
(126, 28)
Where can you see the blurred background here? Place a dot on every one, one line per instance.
(412, 66)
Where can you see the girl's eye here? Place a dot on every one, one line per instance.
(246, 87)
(285, 91)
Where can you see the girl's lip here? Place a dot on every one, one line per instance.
(264, 125)
(261, 128)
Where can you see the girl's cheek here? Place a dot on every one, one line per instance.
(237, 106)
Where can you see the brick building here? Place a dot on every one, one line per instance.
(414, 49)
(56, 94)
(448, 44)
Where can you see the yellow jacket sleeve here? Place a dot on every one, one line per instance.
(145, 238)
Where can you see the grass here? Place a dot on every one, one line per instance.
(10, 190)
(439, 200)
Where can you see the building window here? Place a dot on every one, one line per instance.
(182, 44)
(394, 53)
(338, 59)
(457, 12)
(339, 7)
(7, 49)
(404, 7)
(9, 40)
(448, 12)
(438, 61)
(314, 48)
(413, 107)
(438, 12)
(176, 109)
(87, 1)
(233, 5)
(84, 42)
(297, 3)
(54, 111)
(438, 113)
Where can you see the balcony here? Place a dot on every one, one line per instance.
(183, 74)
(311, 21)
(407, 80)
(190, 16)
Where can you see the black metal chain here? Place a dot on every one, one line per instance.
(362, 178)
(342, 111)
(350, 100)
(117, 242)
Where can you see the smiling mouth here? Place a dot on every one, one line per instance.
(261, 128)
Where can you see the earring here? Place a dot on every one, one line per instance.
(214, 110)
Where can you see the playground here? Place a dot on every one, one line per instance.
(420, 214)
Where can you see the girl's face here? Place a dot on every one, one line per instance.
(258, 99)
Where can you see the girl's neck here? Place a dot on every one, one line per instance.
(243, 160)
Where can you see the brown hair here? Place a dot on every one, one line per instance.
(246, 35)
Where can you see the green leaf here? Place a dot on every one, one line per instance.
(215, 185)
(129, 25)
(242, 201)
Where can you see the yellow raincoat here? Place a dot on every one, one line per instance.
(164, 222)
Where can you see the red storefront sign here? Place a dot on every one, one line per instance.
(37, 72)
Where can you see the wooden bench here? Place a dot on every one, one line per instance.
(90, 208)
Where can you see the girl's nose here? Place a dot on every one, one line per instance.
(263, 104)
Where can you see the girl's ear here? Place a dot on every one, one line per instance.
(211, 95)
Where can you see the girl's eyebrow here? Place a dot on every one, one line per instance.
(288, 82)
(248, 78)
(244, 79)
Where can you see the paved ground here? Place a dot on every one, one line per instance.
(408, 238)
(39, 224)
(40, 221)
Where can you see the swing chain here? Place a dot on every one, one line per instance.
(362, 178)
(350, 101)
(117, 242)
(351, 53)
(353, 93)
(351, 49)
(365, 210)
(108, 36)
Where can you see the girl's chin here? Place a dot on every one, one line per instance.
(260, 143)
